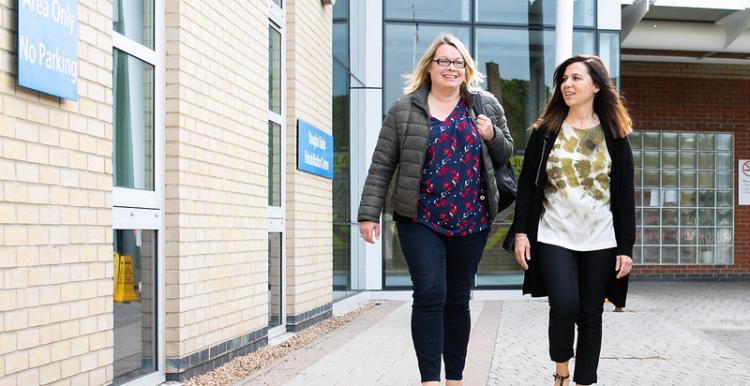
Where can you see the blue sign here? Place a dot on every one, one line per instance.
(48, 46)
(314, 150)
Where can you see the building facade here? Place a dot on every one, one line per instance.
(156, 224)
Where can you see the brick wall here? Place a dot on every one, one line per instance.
(216, 175)
(309, 250)
(695, 97)
(56, 215)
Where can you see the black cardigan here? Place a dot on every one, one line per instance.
(529, 206)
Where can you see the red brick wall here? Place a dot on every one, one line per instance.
(691, 97)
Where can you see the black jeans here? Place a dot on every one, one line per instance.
(576, 284)
(442, 271)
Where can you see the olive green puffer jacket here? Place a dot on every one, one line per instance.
(402, 145)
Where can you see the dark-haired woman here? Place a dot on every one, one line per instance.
(574, 225)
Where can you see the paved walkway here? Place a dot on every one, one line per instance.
(671, 334)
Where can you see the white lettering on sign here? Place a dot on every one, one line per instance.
(63, 16)
(40, 7)
(316, 141)
(57, 61)
(27, 51)
(315, 160)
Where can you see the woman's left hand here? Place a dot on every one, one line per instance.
(484, 127)
(623, 265)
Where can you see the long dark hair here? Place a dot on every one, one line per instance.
(608, 104)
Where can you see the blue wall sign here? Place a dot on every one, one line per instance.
(314, 150)
(48, 46)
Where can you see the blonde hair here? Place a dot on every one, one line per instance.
(420, 76)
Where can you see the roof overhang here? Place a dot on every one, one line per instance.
(705, 31)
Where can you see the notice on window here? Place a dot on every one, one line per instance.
(48, 46)
(314, 150)
(744, 182)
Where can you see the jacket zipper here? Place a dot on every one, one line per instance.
(539, 168)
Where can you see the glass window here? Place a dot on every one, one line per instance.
(274, 279)
(609, 51)
(695, 200)
(134, 304)
(274, 70)
(135, 20)
(404, 45)
(451, 11)
(532, 12)
(133, 147)
(342, 221)
(274, 164)
(584, 42)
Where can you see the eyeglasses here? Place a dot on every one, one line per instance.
(442, 62)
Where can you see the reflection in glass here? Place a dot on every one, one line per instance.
(724, 236)
(688, 159)
(688, 235)
(651, 217)
(652, 140)
(651, 255)
(724, 217)
(705, 255)
(687, 216)
(668, 255)
(706, 217)
(135, 20)
(133, 143)
(724, 255)
(706, 198)
(497, 267)
(274, 70)
(134, 304)
(706, 161)
(637, 159)
(274, 164)
(342, 222)
(705, 179)
(706, 141)
(651, 159)
(669, 159)
(687, 255)
(669, 216)
(687, 198)
(669, 179)
(609, 52)
(724, 161)
(635, 140)
(275, 280)
(724, 142)
(669, 140)
(451, 11)
(687, 179)
(688, 141)
(724, 198)
(403, 48)
(651, 178)
(669, 235)
(396, 270)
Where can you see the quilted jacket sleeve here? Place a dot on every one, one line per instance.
(384, 161)
(501, 146)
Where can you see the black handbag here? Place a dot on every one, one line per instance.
(505, 177)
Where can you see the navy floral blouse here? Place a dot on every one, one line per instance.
(449, 199)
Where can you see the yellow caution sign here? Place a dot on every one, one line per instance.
(124, 289)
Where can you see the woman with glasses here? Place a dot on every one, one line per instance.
(444, 198)
(574, 225)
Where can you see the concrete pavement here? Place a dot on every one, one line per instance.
(686, 333)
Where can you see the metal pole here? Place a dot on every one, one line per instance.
(563, 31)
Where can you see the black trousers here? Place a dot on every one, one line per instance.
(442, 270)
(576, 285)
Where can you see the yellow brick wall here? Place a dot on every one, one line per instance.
(56, 216)
(309, 250)
(216, 173)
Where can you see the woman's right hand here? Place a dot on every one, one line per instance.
(522, 250)
(369, 231)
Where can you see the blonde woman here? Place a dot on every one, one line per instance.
(445, 196)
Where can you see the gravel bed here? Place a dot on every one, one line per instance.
(243, 366)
